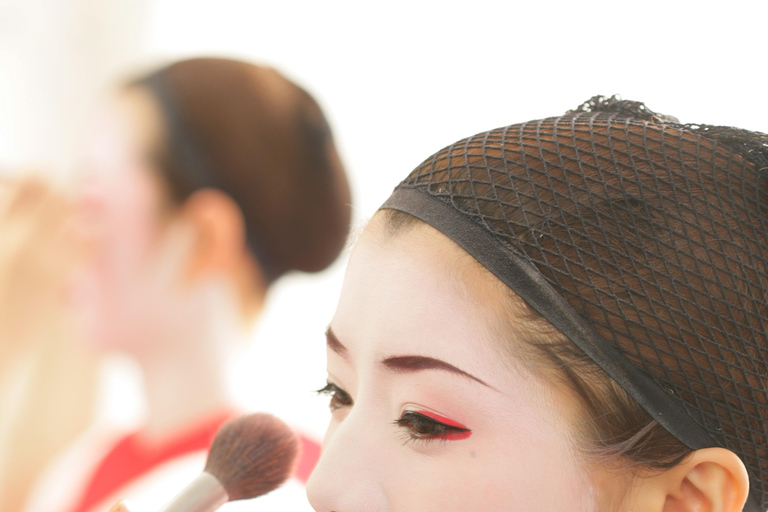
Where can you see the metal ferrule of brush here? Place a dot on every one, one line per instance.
(204, 494)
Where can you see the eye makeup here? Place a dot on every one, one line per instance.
(425, 425)
(445, 421)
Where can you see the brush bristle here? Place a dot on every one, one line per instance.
(252, 455)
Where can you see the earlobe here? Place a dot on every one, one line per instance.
(709, 480)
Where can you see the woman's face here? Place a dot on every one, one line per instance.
(428, 411)
(123, 292)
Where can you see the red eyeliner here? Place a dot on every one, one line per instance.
(451, 436)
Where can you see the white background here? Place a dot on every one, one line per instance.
(398, 81)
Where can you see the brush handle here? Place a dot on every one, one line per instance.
(204, 494)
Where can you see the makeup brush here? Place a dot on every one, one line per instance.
(250, 456)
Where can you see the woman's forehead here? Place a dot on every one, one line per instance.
(415, 292)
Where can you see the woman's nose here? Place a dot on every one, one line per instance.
(348, 475)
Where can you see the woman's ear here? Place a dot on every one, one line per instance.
(219, 230)
(709, 480)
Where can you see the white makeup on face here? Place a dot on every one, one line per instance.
(435, 418)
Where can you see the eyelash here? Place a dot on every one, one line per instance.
(339, 397)
(417, 426)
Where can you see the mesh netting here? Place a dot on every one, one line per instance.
(654, 232)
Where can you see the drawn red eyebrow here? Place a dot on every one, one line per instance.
(403, 364)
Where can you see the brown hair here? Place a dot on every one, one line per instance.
(264, 141)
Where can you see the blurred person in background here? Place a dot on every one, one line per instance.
(211, 179)
(45, 379)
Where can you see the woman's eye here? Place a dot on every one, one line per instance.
(420, 426)
(339, 397)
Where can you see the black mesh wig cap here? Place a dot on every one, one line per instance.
(643, 240)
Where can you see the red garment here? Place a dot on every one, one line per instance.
(131, 458)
